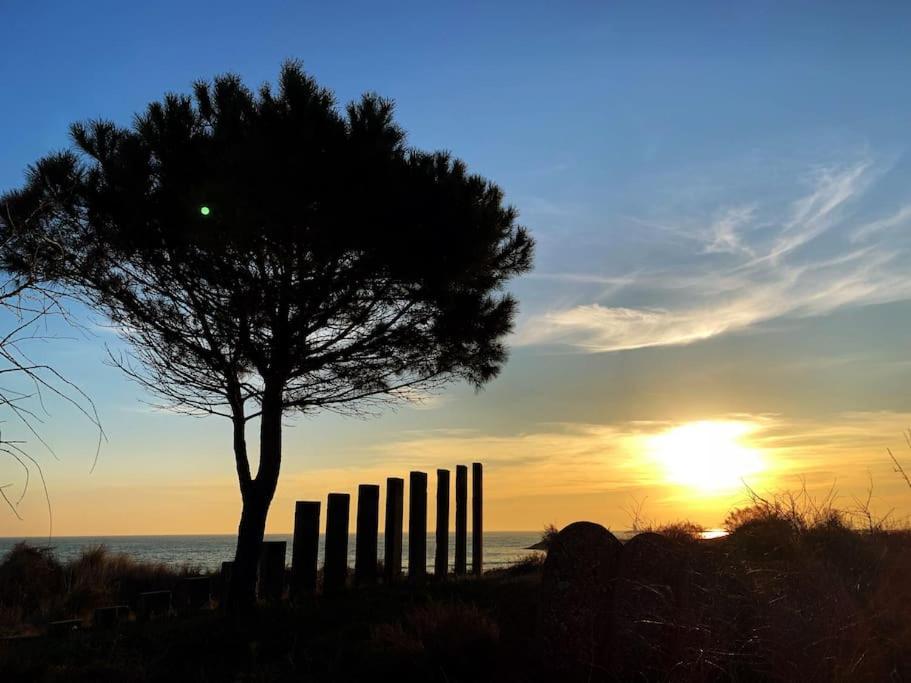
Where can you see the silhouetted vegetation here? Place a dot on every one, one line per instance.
(795, 591)
(28, 303)
(35, 588)
(266, 253)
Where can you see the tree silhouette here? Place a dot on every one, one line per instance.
(265, 253)
(26, 305)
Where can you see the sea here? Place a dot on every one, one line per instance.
(207, 552)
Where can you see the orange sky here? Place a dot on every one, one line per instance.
(553, 476)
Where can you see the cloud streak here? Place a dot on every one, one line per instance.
(725, 231)
(752, 264)
(611, 461)
(899, 219)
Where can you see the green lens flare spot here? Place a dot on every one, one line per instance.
(204, 210)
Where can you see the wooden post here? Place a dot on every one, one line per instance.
(194, 592)
(108, 617)
(395, 506)
(64, 627)
(227, 568)
(368, 521)
(417, 525)
(305, 550)
(335, 568)
(441, 557)
(271, 581)
(461, 519)
(154, 604)
(477, 518)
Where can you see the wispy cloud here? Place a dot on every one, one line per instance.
(754, 262)
(899, 219)
(603, 328)
(574, 460)
(725, 231)
(816, 212)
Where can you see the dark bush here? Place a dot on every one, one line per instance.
(31, 583)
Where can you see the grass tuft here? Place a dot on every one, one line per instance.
(35, 588)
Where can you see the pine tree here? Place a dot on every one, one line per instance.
(268, 253)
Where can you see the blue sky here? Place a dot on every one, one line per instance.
(720, 197)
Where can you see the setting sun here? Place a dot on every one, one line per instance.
(708, 455)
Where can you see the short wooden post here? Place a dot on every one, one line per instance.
(417, 525)
(395, 505)
(441, 556)
(335, 568)
(368, 521)
(271, 582)
(305, 550)
(154, 604)
(64, 627)
(195, 592)
(461, 519)
(477, 518)
(108, 617)
(227, 568)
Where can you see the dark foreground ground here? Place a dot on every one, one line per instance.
(463, 630)
(777, 600)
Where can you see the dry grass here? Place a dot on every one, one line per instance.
(798, 590)
(36, 588)
(441, 636)
(679, 531)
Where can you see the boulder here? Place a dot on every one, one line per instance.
(576, 589)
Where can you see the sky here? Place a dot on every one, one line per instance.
(721, 297)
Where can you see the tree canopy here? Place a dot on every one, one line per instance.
(332, 257)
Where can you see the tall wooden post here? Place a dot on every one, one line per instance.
(441, 557)
(335, 569)
(305, 549)
(417, 525)
(461, 519)
(477, 518)
(368, 521)
(395, 507)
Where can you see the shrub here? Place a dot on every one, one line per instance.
(454, 630)
(35, 587)
(681, 531)
(458, 639)
(550, 533)
(801, 511)
(31, 582)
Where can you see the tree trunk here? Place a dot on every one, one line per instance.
(257, 496)
(242, 589)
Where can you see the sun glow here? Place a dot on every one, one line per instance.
(709, 456)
